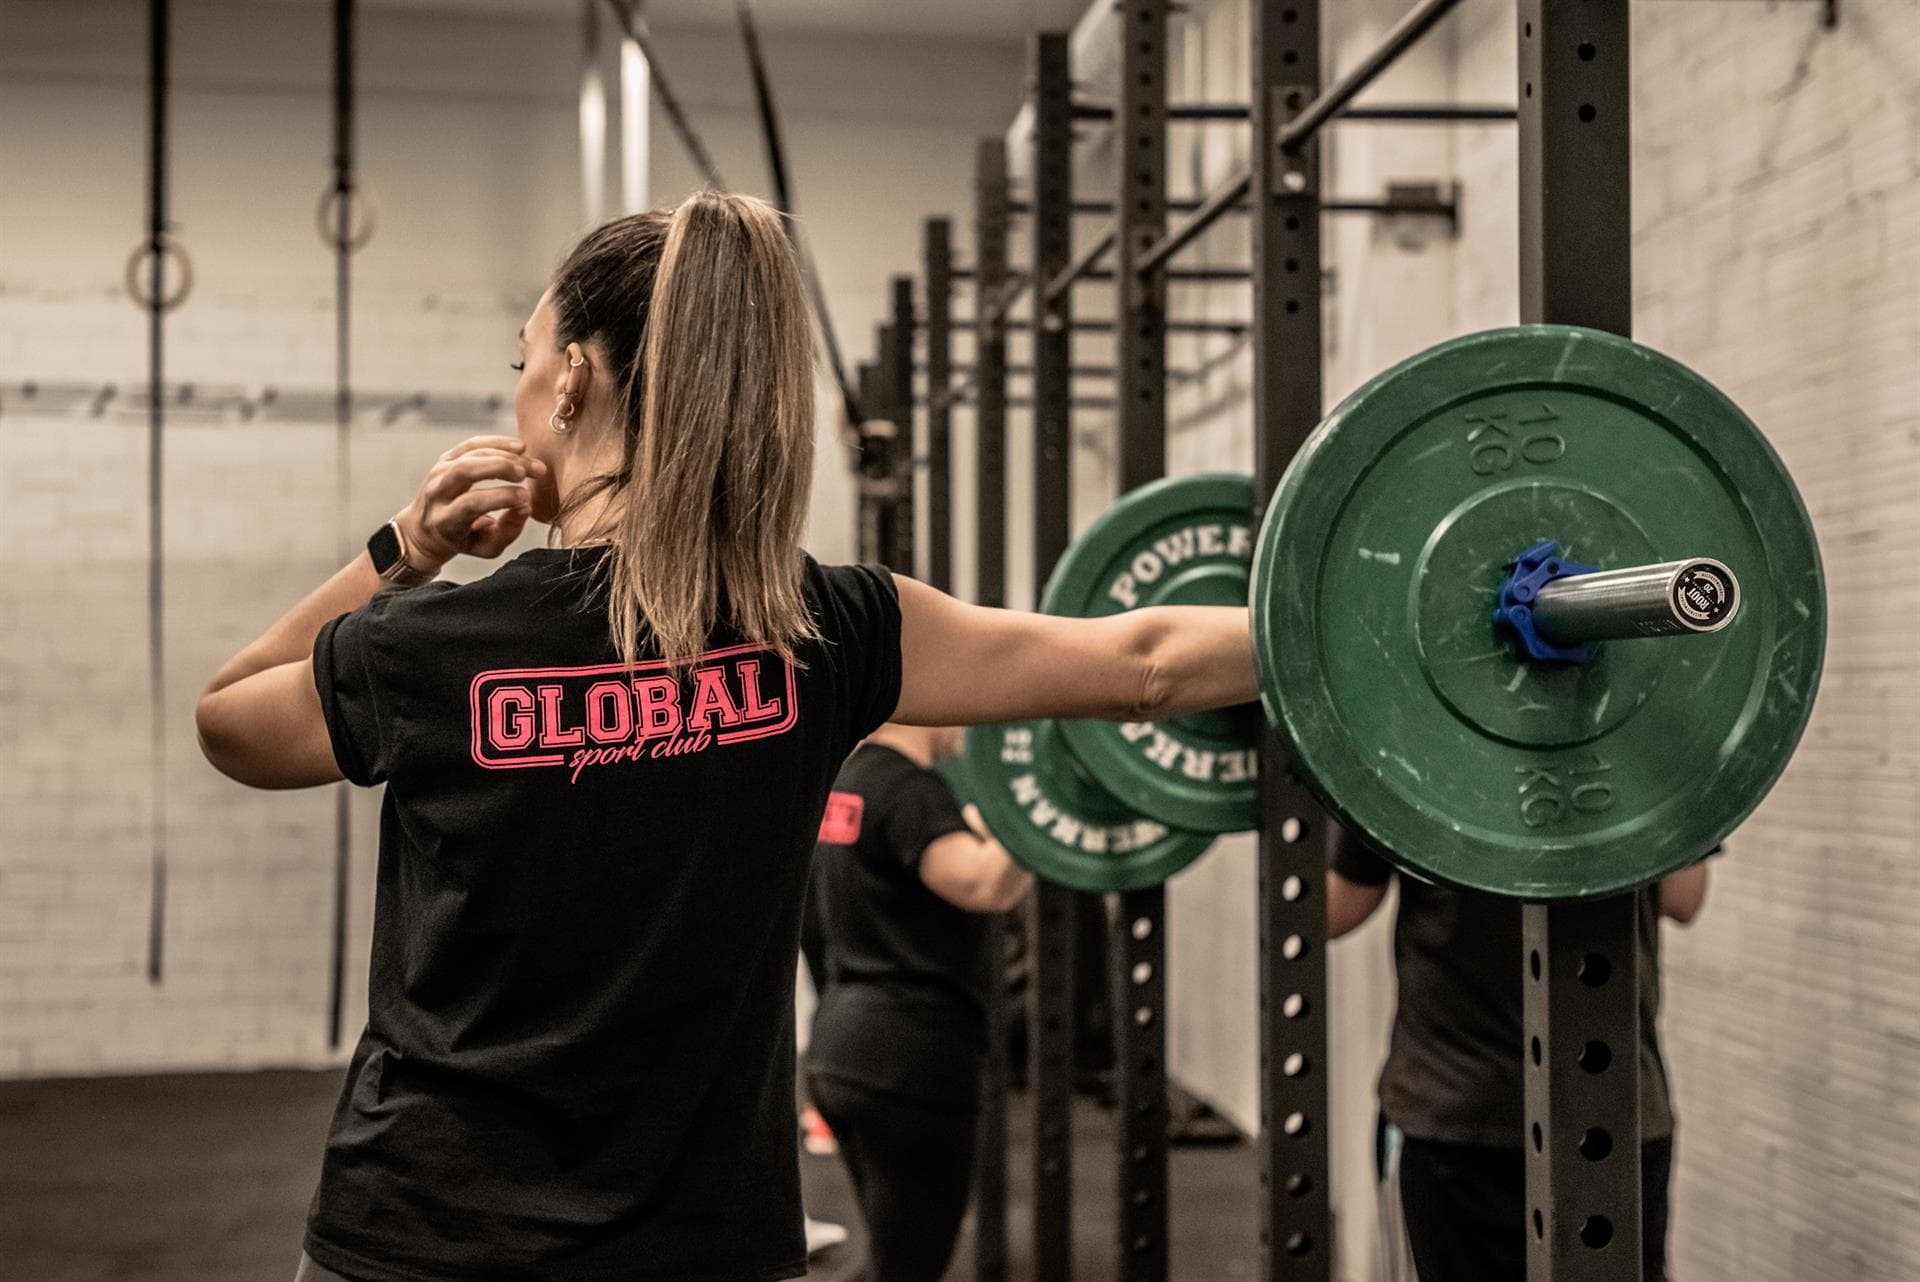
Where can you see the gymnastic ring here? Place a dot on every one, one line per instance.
(166, 247)
(326, 219)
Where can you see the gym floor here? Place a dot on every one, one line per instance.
(207, 1176)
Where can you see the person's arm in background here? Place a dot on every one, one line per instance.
(972, 871)
(966, 664)
(1682, 894)
(1350, 903)
(1356, 883)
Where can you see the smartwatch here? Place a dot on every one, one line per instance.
(388, 552)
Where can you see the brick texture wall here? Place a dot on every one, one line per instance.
(1777, 249)
(467, 128)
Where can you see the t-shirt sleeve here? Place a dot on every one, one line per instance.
(345, 671)
(920, 811)
(1352, 859)
(860, 617)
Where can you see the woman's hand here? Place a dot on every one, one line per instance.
(450, 515)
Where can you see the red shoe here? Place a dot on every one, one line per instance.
(818, 1136)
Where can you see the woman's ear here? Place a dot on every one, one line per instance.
(575, 374)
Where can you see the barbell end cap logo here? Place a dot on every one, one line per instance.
(1705, 595)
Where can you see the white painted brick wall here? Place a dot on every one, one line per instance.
(467, 136)
(1778, 250)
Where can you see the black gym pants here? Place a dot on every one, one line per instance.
(1465, 1207)
(911, 1165)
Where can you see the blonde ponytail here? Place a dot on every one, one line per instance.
(722, 461)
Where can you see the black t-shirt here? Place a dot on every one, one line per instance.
(578, 1060)
(904, 1008)
(1453, 1071)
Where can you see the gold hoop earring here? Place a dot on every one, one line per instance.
(565, 409)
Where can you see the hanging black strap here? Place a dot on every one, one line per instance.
(156, 304)
(783, 197)
(634, 27)
(763, 96)
(340, 199)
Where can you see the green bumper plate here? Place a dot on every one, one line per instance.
(1376, 573)
(1182, 541)
(1059, 824)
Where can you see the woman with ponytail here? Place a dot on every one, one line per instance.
(606, 764)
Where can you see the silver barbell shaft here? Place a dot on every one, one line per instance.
(1670, 599)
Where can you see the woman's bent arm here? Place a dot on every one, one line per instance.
(967, 664)
(259, 719)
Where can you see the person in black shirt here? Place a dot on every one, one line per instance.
(901, 880)
(605, 767)
(1451, 1095)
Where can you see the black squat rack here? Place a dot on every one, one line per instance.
(1579, 960)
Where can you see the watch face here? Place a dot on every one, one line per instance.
(384, 548)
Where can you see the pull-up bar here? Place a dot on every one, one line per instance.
(1078, 371)
(1302, 127)
(965, 324)
(1411, 113)
(958, 395)
(1079, 207)
(1404, 36)
(1081, 266)
(997, 308)
(1229, 194)
(1101, 206)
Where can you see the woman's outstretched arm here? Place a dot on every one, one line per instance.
(967, 664)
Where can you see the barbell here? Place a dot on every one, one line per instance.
(1537, 612)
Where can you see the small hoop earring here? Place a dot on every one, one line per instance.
(561, 413)
(576, 362)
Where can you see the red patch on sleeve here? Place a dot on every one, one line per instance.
(840, 826)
